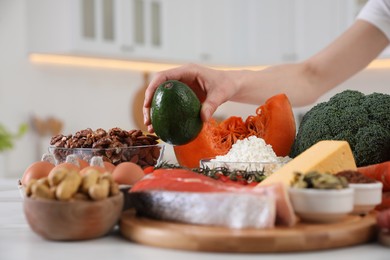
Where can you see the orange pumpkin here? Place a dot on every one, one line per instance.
(274, 122)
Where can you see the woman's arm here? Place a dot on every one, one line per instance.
(302, 82)
(306, 81)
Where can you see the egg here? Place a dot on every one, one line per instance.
(97, 164)
(82, 163)
(37, 170)
(66, 165)
(109, 166)
(127, 173)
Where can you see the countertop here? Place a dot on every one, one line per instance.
(18, 241)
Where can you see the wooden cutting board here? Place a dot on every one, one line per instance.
(350, 231)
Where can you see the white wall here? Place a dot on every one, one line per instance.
(85, 97)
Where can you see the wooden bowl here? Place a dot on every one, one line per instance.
(72, 220)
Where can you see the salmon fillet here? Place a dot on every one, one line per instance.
(172, 194)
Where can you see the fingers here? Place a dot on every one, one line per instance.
(149, 92)
(207, 111)
(156, 81)
(147, 120)
(214, 99)
(186, 73)
(199, 79)
(150, 129)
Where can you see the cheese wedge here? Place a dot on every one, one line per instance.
(324, 156)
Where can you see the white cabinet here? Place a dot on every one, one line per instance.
(263, 32)
(250, 32)
(95, 29)
(158, 30)
(226, 32)
(85, 27)
(125, 29)
(318, 23)
(180, 25)
(217, 32)
(141, 29)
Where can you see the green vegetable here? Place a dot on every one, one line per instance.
(175, 113)
(7, 138)
(361, 120)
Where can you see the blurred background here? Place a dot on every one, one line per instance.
(67, 65)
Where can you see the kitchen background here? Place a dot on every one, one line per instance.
(52, 94)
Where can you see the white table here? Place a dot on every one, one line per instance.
(18, 241)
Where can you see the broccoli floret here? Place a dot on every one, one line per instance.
(363, 121)
(377, 106)
(373, 146)
(354, 98)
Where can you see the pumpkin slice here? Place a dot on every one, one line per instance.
(274, 122)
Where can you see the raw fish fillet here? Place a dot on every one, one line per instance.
(153, 189)
(232, 210)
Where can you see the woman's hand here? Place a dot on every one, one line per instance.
(213, 87)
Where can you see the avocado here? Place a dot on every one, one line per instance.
(175, 113)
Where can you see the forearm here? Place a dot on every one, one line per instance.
(304, 82)
(297, 81)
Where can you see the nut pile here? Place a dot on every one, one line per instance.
(64, 184)
(115, 145)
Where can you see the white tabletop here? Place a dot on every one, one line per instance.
(18, 241)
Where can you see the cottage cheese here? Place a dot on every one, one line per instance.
(251, 149)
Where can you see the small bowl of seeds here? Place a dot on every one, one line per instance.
(367, 191)
(321, 197)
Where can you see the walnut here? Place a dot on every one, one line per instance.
(56, 140)
(135, 133)
(118, 132)
(83, 133)
(99, 133)
(102, 143)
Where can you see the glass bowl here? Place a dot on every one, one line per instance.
(143, 155)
